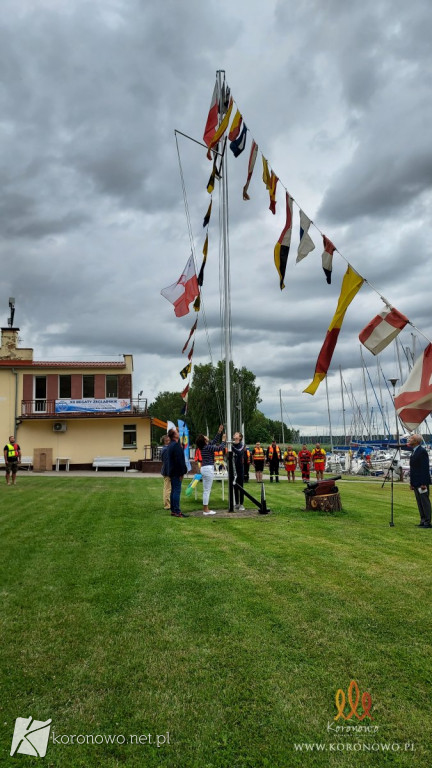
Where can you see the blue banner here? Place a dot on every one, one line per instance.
(92, 405)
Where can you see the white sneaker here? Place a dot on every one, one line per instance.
(241, 508)
(210, 512)
(236, 506)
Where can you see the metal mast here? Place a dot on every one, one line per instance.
(227, 296)
(282, 422)
(329, 418)
(343, 405)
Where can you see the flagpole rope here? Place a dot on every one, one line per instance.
(192, 245)
(383, 299)
(223, 298)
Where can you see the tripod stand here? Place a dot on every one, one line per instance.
(394, 465)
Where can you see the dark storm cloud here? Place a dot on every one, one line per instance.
(91, 206)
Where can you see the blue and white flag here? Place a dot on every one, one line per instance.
(184, 442)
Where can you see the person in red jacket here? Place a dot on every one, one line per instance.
(304, 460)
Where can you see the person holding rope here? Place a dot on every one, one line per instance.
(208, 449)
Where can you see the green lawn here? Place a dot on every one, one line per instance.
(230, 635)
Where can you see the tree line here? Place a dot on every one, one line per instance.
(206, 406)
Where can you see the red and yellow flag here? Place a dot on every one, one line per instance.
(221, 130)
(351, 284)
(235, 126)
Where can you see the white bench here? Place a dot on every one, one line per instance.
(26, 462)
(111, 462)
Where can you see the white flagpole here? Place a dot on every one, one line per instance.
(227, 306)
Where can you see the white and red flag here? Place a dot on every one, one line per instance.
(384, 327)
(327, 258)
(414, 400)
(213, 117)
(184, 290)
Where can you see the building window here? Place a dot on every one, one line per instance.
(129, 436)
(65, 387)
(88, 386)
(40, 393)
(111, 386)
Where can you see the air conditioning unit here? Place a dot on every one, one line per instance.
(60, 426)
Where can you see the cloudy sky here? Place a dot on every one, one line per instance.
(93, 224)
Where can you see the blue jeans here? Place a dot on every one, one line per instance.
(175, 494)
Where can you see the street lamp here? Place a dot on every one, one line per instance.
(139, 395)
(393, 382)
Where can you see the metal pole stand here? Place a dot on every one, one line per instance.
(390, 474)
(260, 505)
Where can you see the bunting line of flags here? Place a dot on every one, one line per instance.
(415, 398)
(382, 329)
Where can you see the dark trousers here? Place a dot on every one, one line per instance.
(424, 506)
(305, 470)
(238, 492)
(274, 470)
(175, 494)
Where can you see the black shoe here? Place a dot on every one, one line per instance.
(420, 525)
(426, 525)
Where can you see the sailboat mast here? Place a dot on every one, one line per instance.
(227, 295)
(343, 405)
(328, 409)
(282, 423)
(368, 425)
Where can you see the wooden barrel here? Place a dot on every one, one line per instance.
(330, 502)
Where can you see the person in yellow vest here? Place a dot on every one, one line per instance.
(12, 457)
(319, 460)
(290, 461)
(258, 458)
(273, 457)
(219, 460)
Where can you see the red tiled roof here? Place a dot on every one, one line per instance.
(58, 364)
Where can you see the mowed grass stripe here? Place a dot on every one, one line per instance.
(231, 634)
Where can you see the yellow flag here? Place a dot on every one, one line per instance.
(351, 284)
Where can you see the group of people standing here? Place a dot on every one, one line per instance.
(304, 460)
(208, 453)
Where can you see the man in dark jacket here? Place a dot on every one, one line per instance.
(273, 457)
(420, 479)
(176, 469)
